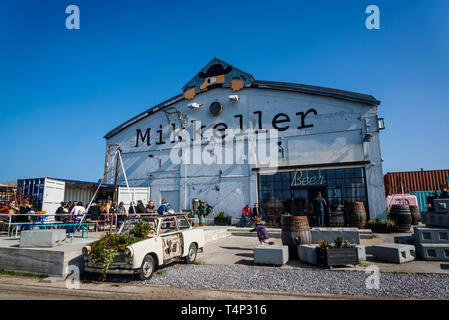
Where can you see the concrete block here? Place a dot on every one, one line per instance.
(435, 219)
(307, 253)
(42, 238)
(330, 234)
(441, 205)
(271, 255)
(405, 240)
(433, 251)
(361, 252)
(36, 261)
(394, 252)
(431, 235)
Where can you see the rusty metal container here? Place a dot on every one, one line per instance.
(411, 181)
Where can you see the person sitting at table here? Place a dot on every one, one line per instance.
(132, 208)
(13, 208)
(151, 208)
(121, 210)
(246, 214)
(163, 207)
(94, 211)
(78, 210)
(5, 209)
(140, 207)
(61, 210)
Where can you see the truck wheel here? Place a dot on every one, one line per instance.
(191, 254)
(148, 266)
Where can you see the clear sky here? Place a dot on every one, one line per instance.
(62, 90)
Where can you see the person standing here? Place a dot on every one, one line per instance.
(444, 194)
(319, 205)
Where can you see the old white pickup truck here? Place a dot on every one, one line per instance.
(172, 239)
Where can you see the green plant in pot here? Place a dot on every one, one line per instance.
(112, 245)
(221, 219)
(204, 210)
(339, 252)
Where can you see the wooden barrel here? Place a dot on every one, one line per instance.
(415, 215)
(337, 218)
(295, 231)
(356, 215)
(402, 215)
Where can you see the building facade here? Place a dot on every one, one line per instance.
(315, 139)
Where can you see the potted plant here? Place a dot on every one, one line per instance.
(382, 226)
(338, 253)
(222, 220)
(204, 210)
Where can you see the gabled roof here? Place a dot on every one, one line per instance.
(228, 76)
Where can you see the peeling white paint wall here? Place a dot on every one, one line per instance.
(336, 136)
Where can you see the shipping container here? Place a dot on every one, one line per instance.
(422, 198)
(412, 181)
(47, 193)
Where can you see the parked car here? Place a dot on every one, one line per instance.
(172, 239)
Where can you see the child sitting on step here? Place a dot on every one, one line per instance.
(262, 233)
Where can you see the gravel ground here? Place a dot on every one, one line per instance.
(300, 281)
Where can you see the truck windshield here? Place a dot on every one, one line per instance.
(129, 225)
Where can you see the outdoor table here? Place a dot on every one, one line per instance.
(42, 220)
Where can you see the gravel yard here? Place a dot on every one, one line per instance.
(301, 281)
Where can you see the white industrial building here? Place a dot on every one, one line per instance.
(328, 141)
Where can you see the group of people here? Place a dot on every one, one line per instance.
(96, 209)
(249, 215)
(12, 208)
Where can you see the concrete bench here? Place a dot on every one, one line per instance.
(441, 205)
(433, 251)
(271, 255)
(330, 234)
(394, 252)
(431, 235)
(435, 219)
(42, 238)
(308, 253)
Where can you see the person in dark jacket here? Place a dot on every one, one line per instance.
(258, 212)
(262, 233)
(444, 194)
(140, 207)
(319, 205)
(94, 211)
(61, 210)
(132, 208)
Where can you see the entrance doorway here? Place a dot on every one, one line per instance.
(302, 200)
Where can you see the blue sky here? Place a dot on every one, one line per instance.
(62, 90)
